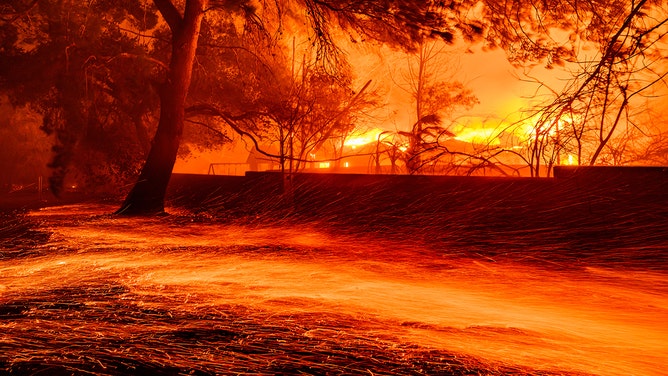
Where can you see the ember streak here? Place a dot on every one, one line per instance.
(116, 295)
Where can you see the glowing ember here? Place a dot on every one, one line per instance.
(129, 295)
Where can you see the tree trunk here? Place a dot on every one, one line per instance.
(147, 197)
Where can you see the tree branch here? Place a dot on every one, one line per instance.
(210, 128)
(169, 13)
(132, 56)
(210, 110)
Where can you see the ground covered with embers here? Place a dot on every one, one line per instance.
(461, 277)
(53, 335)
(73, 303)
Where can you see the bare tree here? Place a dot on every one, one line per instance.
(436, 95)
(601, 102)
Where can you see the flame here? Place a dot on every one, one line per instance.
(568, 160)
(528, 130)
(361, 138)
(483, 136)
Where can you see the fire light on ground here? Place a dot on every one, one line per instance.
(233, 298)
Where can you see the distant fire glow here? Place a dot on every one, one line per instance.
(363, 138)
(482, 136)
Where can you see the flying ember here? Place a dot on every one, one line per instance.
(136, 281)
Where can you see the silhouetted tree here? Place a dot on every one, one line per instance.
(73, 64)
(595, 113)
(284, 104)
(436, 95)
(309, 107)
(401, 23)
(148, 194)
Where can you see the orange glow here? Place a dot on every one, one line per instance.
(362, 138)
(482, 136)
(592, 321)
(569, 160)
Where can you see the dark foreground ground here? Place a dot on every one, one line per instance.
(348, 275)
